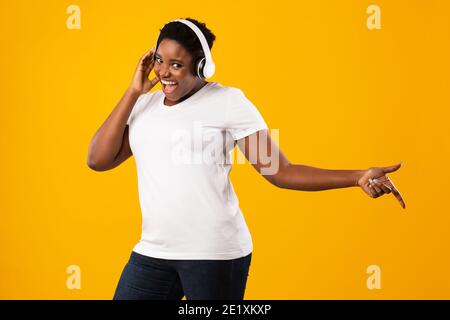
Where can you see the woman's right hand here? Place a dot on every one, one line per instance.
(141, 83)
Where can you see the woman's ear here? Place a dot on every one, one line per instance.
(194, 67)
(196, 61)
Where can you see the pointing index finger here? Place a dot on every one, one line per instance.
(396, 193)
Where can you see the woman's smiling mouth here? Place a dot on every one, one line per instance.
(169, 86)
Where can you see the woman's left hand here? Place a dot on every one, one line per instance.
(375, 182)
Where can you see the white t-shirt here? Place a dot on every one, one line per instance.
(182, 153)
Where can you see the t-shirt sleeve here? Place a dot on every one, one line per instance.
(137, 106)
(243, 118)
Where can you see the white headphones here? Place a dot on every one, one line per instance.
(205, 67)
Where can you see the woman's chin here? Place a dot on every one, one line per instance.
(171, 98)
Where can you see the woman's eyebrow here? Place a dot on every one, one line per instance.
(176, 60)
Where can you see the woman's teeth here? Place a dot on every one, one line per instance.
(168, 82)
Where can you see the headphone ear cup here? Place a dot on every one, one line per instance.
(200, 66)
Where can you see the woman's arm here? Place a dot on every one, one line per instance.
(269, 161)
(107, 141)
(110, 146)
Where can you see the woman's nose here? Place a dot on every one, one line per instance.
(163, 71)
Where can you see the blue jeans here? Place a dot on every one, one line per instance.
(148, 278)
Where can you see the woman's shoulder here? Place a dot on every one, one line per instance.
(149, 95)
(224, 89)
(145, 101)
(148, 98)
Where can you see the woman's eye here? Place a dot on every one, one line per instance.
(176, 65)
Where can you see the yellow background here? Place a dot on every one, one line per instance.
(343, 97)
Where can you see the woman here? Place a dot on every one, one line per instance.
(195, 241)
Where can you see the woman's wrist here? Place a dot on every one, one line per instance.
(133, 90)
(358, 175)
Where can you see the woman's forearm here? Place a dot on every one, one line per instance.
(306, 178)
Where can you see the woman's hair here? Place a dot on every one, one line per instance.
(187, 38)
